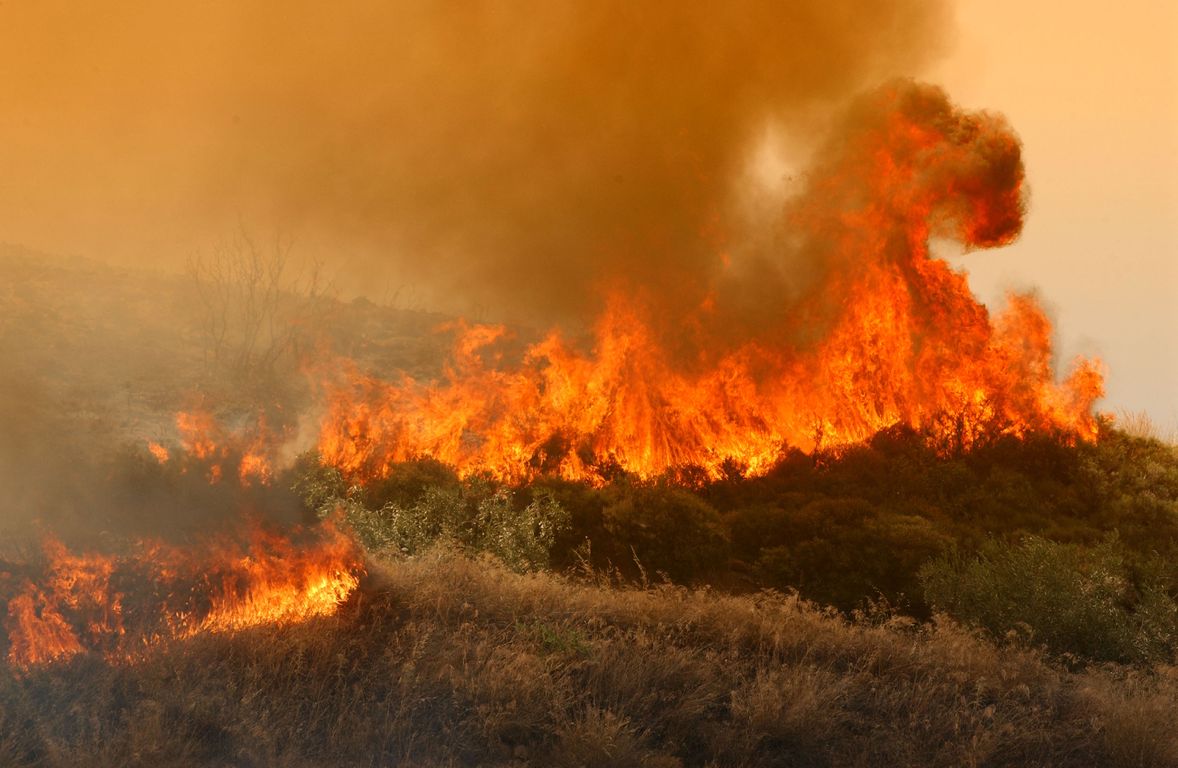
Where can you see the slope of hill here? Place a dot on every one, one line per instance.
(447, 661)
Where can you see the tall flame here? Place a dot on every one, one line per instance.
(888, 335)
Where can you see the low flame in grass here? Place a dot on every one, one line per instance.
(245, 453)
(888, 336)
(118, 605)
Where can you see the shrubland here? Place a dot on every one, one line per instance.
(885, 604)
(1072, 548)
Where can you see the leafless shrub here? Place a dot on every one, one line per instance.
(1139, 424)
(255, 312)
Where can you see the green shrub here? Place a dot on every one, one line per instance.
(319, 486)
(407, 480)
(521, 538)
(1072, 599)
(476, 515)
(669, 530)
(842, 552)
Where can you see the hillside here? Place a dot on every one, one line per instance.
(447, 661)
(891, 602)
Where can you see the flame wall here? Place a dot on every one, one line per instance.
(885, 335)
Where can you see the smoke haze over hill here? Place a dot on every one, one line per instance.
(508, 156)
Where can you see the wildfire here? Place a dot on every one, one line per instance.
(118, 605)
(888, 335)
(159, 452)
(204, 438)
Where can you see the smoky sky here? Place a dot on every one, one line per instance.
(517, 157)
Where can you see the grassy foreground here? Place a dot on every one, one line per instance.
(443, 660)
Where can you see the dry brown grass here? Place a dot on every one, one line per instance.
(445, 661)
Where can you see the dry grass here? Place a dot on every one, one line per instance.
(445, 661)
(1139, 424)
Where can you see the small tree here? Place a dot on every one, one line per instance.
(253, 313)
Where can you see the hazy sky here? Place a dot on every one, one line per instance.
(139, 132)
(1092, 89)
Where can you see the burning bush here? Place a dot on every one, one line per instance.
(886, 336)
(121, 604)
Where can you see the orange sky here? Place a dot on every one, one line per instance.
(139, 132)
(1092, 89)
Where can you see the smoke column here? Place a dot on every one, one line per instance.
(504, 155)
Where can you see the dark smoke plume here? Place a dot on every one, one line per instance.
(521, 158)
(505, 155)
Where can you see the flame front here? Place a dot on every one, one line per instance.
(119, 605)
(887, 335)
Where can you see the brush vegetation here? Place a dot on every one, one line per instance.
(447, 660)
(1071, 548)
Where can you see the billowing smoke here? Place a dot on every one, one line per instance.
(882, 335)
(509, 156)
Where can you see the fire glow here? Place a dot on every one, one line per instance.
(203, 438)
(120, 606)
(888, 335)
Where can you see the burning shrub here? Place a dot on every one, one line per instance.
(1069, 598)
(118, 605)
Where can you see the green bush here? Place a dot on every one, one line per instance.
(667, 528)
(320, 487)
(407, 480)
(476, 515)
(1072, 599)
(438, 514)
(841, 528)
(842, 552)
(521, 538)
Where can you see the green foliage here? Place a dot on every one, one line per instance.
(841, 529)
(520, 538)
(319, 486)
(439, 514)
(475, 515)
(1072, 599)
(668, 529)
(405, 482)
(843, 551)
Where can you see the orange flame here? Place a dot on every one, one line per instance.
(119, 605)
(890, 335)
(159, 452)
(205, 439)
